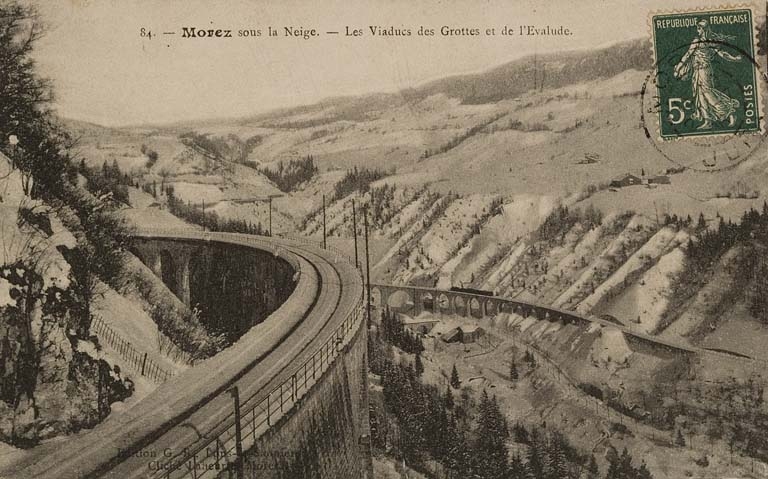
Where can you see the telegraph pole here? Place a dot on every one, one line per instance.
(270, 216)
(367, 266)
(238, 433)
(324, 240)
(354, 231)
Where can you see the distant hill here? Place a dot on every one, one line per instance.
(553, 70)
(507, 81)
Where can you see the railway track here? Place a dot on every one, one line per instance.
(186, 427)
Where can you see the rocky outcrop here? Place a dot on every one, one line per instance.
(51, 382)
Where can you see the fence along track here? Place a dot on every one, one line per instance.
(138, 360)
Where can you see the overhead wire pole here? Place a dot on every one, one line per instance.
(270, 216)
(354, 232)
(239, 469)
(367, 266)
(324, 240)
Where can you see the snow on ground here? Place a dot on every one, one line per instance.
(411, 233)
(583, 249)
(642, 258)
(445, 236)
(5, 293)
(450, 323)
(300, 203)
(647, 299)
(522, 215)
(605, 262)
(338, 214)
(504, 267)
(497, 235)
(196, 193)
(385, 467)
(10, 456)
(454, 224)
(700, 308)
(406, 217)
(21, 241)
(544, 285)
(138, 198)
(152, 218)
(134, 325)
(741, 333)
(610, 348)
(255, 212)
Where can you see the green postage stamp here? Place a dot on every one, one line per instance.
(706, 73)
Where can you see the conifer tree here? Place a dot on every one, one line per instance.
(418, 365)
(455, 381)
(517, 469)
(448, 401)
(556, 464)
(679, 439)
(491, 432)
(513, 375)
(592, 470)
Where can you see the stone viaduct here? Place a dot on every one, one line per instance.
(288, 399)
(414, 300)
(233, 286)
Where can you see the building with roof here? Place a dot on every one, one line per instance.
(463, 334)
(626, 180)
(420, 325)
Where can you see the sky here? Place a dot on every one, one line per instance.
(105, 72)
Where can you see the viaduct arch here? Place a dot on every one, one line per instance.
(300, 378)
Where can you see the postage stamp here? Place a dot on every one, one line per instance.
(707, 79)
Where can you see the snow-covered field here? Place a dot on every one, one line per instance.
(643, 258)
(445, 237)
(608, 261)
(647, 299)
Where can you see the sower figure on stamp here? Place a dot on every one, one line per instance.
(710, 103)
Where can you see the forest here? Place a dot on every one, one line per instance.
(210, 220)
(467, 435)
(358, 179)
(709, 245)
(229, 148)
(288, 177)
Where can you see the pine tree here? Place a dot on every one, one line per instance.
(593, 472)
(491, 433)
(556, 465)
(448, 398)
(418, 365)
(521, 434)
(643, 472)
(679, 439)
(455, 381)
(517, 469)
(513, 375)
(701, 224)
(534, 459)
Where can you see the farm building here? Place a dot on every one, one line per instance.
(465, 334)
(419, 325)
(626, 180)
(659, 180)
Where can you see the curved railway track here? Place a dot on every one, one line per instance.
(186, 427)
